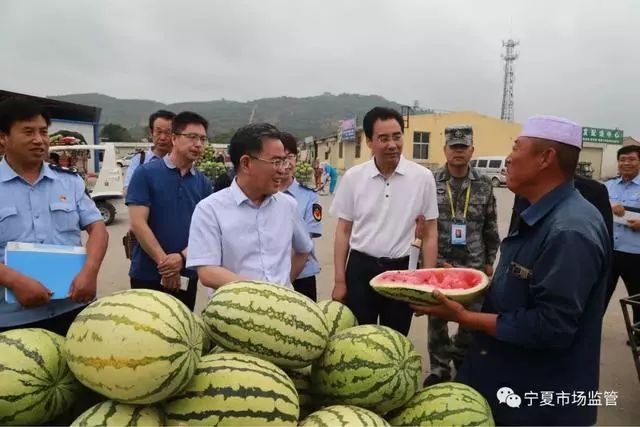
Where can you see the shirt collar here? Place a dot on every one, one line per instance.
(170, 165)
(7, 173)
(534, 213)
(401, 168)
(293, 187)
(239, 197)
(443, 174)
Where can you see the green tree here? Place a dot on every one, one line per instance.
(115, 132)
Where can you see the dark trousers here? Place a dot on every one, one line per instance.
(187, 297)
(59, 324)
(627, 266)
(306, 286)
(365, 303)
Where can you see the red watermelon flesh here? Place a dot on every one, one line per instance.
(441, 278)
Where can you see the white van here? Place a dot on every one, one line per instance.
(494, 167)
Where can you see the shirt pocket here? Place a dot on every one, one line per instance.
(9, 224)
(64, 217)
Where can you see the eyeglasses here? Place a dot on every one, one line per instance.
(193, 137)
(627, 159)
(397, 137)
(291, 156)
(276, 163)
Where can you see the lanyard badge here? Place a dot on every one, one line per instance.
(459, 226)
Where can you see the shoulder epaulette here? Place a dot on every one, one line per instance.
(307, 188)
(63, 169)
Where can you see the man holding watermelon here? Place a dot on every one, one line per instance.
(541, 322)
(377, 204)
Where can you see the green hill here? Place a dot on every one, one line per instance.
(311, 116)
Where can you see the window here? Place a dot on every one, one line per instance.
(358, 149)
(482, 163)
(340, 150)
(421, 145)
(473, 163)
(495, 163)
(326, 155)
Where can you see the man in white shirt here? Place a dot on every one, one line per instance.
(377, 204)
(250, 231)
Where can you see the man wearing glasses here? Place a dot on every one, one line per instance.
(377, 205)
(161, 200)
(250, 231)
(160, 129)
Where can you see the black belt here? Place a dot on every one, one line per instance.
(382, 261)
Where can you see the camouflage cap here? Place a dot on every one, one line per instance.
(458, 135)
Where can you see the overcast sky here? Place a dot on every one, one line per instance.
(578, 59)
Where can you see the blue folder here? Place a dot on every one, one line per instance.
(55, 266)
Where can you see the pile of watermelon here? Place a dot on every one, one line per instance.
(259, 354)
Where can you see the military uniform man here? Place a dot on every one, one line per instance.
(45, 204)
(467, 237)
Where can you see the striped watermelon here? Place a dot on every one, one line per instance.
(344, 415)
(301, 378)
(207, 343)
(370, 366)
(235, 389)
(269, 321)
(137, 346)
(36, 385)
(111, 413)
(450, 404)
(338, 316)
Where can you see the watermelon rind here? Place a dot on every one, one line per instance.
(422, 294)
(371, 366)
(344, 415)
(444, 404)
(268, 321)
(111, 413)
(36, 384)
(235, 389)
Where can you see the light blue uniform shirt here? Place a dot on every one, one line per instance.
(627, 194)
(135, 162)
(228, 230)
(311, 213)
(51, 211)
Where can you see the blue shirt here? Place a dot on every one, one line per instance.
(330, 170)
(255, 242)
(549, 322)
(134, 163)
(627, 194)
(171, 199)
(311, 213)
(53, 210)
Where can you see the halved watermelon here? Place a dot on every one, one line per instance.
(416, 286)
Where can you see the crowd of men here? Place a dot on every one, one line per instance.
(537, 328)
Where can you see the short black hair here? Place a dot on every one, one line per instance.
(628, 149)
(160, 114)
(567, 155)
(186, 118)
(19, 109)
(290, 143)
(380, 113)
(248, 140)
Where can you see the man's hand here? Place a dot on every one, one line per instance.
(488, 269)
(634, 224)
(339, 292)
(446, 265)
(83, 287)
(618, 209)
(446, 309)
(171, 282)
(170, 265)
(30, 292)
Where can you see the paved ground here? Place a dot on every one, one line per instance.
(617, 368)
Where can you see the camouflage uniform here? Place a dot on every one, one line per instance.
(481, 249)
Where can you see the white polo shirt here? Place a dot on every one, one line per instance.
(383, 211)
